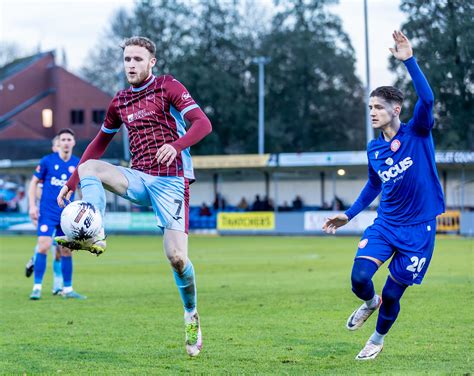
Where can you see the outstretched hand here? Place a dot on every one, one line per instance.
(333, 223)
(64, 194)
(403, 50)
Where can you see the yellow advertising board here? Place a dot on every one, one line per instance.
(230, 161)
(450, 221)
(246, 221)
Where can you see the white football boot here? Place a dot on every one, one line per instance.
(370, 351)
(361, 314)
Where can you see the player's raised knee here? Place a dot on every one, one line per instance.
(89, 168)
(362, 272)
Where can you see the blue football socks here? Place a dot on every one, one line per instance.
(388, 313)
(66, 267)
(40, 268)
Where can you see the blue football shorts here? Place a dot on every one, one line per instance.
(411, 247)
(49, 224)
(167, 195)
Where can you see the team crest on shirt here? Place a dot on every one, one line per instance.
(395, 145)
(185, 96)
(56, 167)
(389, 161)
(363, 243)
(71, 169)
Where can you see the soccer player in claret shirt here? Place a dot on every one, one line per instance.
(154, 110)
(401, 167)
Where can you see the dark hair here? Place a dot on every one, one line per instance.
(140, 41)
(389, 93)
(65, 130)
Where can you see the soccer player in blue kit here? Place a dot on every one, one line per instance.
(53, 171)
(35, 196)
(401, 167)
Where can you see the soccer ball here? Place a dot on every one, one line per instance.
(81, 220)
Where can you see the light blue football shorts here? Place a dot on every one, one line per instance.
(168, 195)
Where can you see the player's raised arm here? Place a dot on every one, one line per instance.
(422, 119)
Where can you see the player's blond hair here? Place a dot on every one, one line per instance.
(140, 41)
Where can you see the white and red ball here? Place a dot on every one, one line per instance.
(81, 220)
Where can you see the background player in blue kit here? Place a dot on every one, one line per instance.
(53, 171)
(35, 195)
(401, 167)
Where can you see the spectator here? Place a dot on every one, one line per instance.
(204, 211)
(243, 204)
(338, 204)
(285, 207)
(267, 204)
(297, 203)
(258, 204)
(219, 202)
(22, 200)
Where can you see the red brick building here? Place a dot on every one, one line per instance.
(37, 98)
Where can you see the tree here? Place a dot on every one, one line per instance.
(445, 52)
(163, 21)
(10, 51)
(216, 69)
(103, 67)
(315, 100)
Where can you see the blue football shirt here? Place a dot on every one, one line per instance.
(404, 169)
(54, 173)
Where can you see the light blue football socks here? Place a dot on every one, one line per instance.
(57, 274)
(93, 192)
(187, 286)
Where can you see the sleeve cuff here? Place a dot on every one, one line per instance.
(177, 147)
(349, 214)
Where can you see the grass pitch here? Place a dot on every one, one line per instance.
(268, 305)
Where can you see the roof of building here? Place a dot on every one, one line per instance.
(20, 64)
